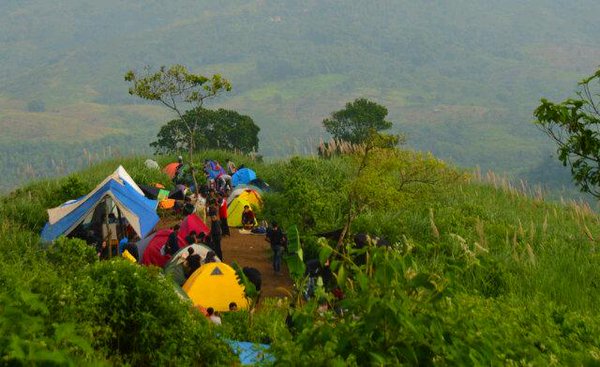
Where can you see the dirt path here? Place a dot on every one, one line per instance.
(253, 251)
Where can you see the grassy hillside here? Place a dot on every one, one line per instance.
(460, 78)
(478, 273)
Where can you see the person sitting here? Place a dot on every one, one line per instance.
(122, 244)
(192, 262)
(210, 257)
(188, 207)
(172, 245)
(102, 250)
(192, 238)
(248, 218)
(253, 276)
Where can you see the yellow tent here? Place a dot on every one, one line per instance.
(235, 210)
(251, 196)
(215, 285)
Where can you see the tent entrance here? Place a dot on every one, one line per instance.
(103, 223)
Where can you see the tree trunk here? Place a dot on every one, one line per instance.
(346, 228)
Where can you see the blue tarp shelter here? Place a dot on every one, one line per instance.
(139, 211)
(251, 353)
(243, 176)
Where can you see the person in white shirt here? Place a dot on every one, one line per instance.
(212, 316)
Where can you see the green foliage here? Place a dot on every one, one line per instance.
(396, 313)
(307, 189)
(295, 256)
(257, 326)
(359, 122)
(220, 129)
(73, 188)
(60, 306)
(312, 193)
(249, 287)
(575, 125)
(175, 82)
(160, 332)
(174, 86)
(70, 255)
(475, 274)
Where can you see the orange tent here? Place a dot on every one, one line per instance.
(171, 169)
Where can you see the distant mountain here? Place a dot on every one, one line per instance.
(461, 77)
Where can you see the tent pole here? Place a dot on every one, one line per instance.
(119, 228)
(108, 234)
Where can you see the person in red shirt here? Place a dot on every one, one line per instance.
(223, 214)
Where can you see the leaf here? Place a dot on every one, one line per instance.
(293, 239)
(341, 276)
(325, 253)
(377, 359)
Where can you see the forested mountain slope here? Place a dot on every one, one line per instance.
(460, 78)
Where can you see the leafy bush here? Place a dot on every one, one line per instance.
(71, 255)
(136, 316)
(394, 313)
(260, 326)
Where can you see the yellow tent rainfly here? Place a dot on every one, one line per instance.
(215, 285)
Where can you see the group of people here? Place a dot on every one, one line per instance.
(194, 261)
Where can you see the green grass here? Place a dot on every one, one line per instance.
(518, 274)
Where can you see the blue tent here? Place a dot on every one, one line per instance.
(243, 176)
(214, 170)
(139, 211)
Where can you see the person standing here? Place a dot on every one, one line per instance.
(200, 206)
(278, 242)
(215, 228)
(223, 214)
(231, 168)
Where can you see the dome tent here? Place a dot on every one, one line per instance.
(215, 285)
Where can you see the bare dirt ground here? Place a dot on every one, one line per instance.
(254, 251)
(249, 250)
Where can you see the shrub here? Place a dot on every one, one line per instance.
(137, 317)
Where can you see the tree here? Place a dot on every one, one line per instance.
(574, 125)
(360, 124)
(386, 177)
(220, 129)
(359, 121)
(176, 86)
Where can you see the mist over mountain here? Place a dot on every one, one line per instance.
(461, 78)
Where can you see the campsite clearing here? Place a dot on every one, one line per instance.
(252, 251)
